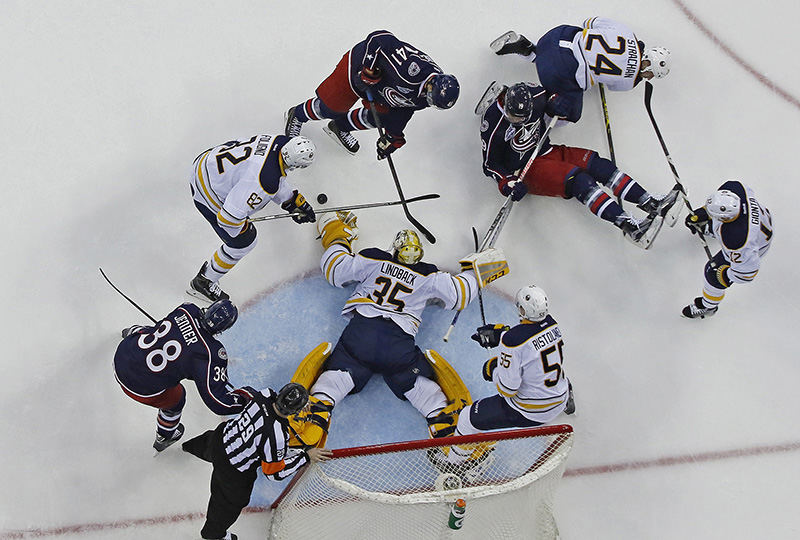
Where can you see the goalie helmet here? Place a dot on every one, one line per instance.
(291, 399)
(298, 153)
(441, 91)
(532, 303)
(660, 61)
(219, 316)
(518, 103)
(723, 205)
(406, 247)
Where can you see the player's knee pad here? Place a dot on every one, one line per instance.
(582, 186)
(600, 168)
(244, 242)
(715, 272)
(325, 111)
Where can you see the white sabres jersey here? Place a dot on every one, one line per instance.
(393, 290)
(746, 239)
(529, 372)
(607, 52)
(238, 178)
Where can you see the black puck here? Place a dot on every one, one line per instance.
(322, 198)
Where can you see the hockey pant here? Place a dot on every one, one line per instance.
(169, 403)
(230, 488)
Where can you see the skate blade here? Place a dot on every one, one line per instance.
(647, 239)
(674, 213)
(333, 136)
(488, 97)
(200, 296)
(498, 43)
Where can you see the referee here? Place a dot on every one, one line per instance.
(256, 437)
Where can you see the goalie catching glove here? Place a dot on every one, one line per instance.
(337, 228)
(488, 335)
(489, 265)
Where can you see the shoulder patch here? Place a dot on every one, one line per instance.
(222, 353)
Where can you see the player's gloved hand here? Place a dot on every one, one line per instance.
(299, 207)
(369, 77)
(488, 335)
(557, 106)
(388, 143)
(246, 393)
(488, 368)
(511, 185)
(698, 222)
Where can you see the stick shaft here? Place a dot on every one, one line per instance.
(352, 207)
(125, 296)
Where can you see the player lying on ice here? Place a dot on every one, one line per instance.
(392, 289)
(511, 127)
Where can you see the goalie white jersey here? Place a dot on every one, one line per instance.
(391, 289)
(529, 372)
(238, 178)
(607, 52)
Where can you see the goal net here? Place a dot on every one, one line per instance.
(408, 490)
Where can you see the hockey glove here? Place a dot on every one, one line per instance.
(488, 265)
(488, 335)
(370, 77)
(488, 368)
(337, 228)
(298, 206)
(557, 106)
(511, 185)
(698, 222)
(245, 393)
(388, 143)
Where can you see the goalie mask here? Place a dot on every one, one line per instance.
(291, 399)
(406, 247)
(298, 153)
(723, 205)
(532, 303)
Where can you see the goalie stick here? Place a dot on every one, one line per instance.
(351, 207)
(381, 132)
(127, 298)
(671, 217)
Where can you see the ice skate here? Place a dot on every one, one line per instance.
(570, 406)
(665, 206)
(203, 288)
(641, 232)
(512, 43)
(162, 443)
(698, 310)
(344, 138)
(293, 125)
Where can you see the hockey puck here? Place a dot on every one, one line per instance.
(322, 198)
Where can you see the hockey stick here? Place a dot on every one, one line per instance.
(352, 207)
(502, 216)
(480, 291)
(648, 96)
(417, 224)
(127, 298)
(607, 119)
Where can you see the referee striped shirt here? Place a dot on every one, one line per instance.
(258, 437)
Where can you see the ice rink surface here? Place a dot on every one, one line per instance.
(684, 429)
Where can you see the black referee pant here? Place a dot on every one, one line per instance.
(230, 488)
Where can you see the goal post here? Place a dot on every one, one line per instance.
(408, 489)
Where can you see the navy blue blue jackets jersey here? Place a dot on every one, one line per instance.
(160, 357)
(507, 147)
(404, 71)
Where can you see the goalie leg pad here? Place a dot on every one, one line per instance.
(311, 366)
(447, 377)
(310, 426)
(488, 265)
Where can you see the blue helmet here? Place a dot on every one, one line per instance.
(442, 91)
(219, 316)
(518, 103)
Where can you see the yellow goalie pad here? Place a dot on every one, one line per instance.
(458, 397)
(337, 228)
(489, 265)
(310, 426)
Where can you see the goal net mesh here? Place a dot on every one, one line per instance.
(407, 490)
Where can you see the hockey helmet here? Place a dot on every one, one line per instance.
(518, 103)
(532, 303)
(291, 399)
(660, 62)
(723, 205)
(407, 247)
(441, 91)
(298, 153)
(219, 316)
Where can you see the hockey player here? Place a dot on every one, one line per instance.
(392, 289)
(400, 79)
(570, 59)
(743, 226)
(151, 362)
(255, 438)
(512, 126)
(528, 373)
(232, 181)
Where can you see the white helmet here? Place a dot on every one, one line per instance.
(298, 153)
(406, 247)
(723, 205)
(660, 61)
(532, 303)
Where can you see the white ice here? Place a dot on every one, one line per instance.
(105, 105)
